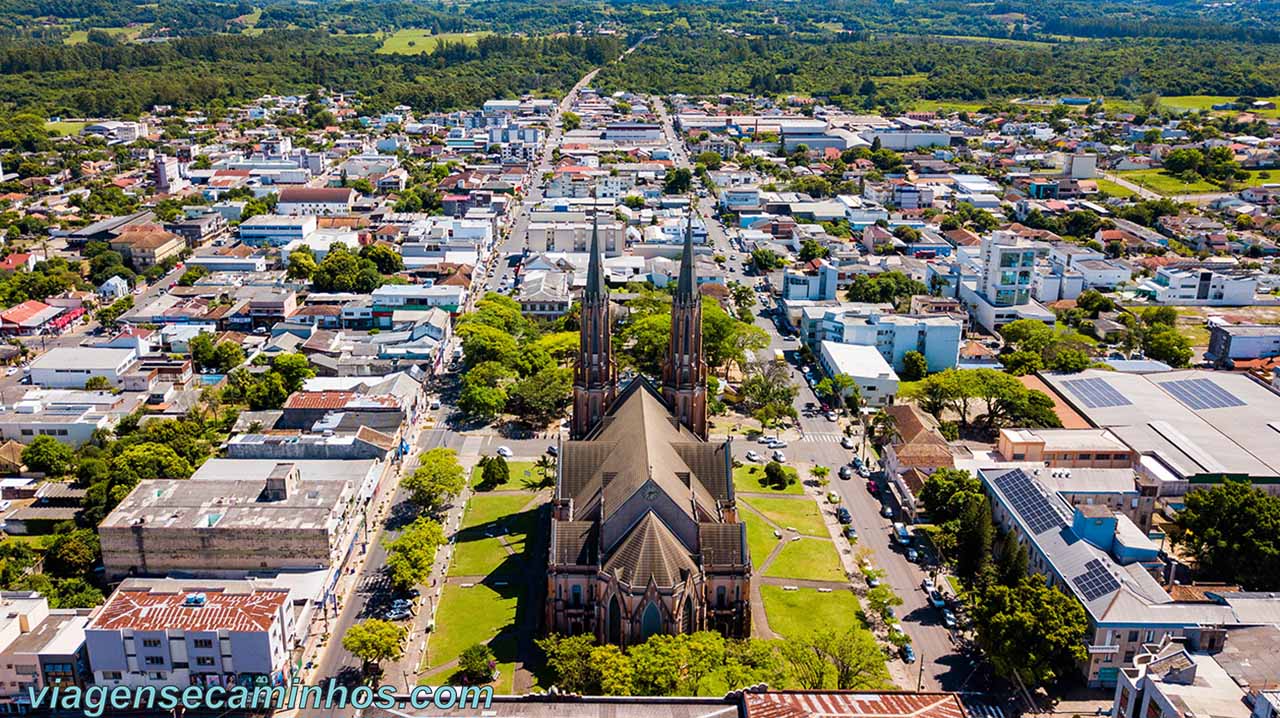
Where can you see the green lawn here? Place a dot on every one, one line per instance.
(795, 613)
(480, 614)
(750, 477)
(1195, 103)
(808, 558)
(518, 479)
(1260, 177)
(65, 128)
(799, 514)
(1164, 183)
(412, 41)
(760, 538)
(1112, 189)
(487, 508)
(477, 554)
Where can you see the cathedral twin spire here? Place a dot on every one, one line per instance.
(684, 371)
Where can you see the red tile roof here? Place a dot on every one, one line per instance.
(13, 261)
(837, 704)
(316, 194)
(21, 313)
(152, 610)
(319, 399)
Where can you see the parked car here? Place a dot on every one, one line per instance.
(886, 511)
(936, 599)
(843, 516)
(926, 585)
(777, 444)
(779, 457)
(845, 472)
(908, 654)
(831, 416)
(850, 532)
(857, 462)
(833, 497)
(752, 456)
(948, 618)
(864, 472)
(913, 555)
(872, 581)
(873, 487)
(553, 450)
(504, 452)
(397, 614)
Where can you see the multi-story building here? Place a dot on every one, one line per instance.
(284, 522)
(574, 235)
(1002, 293)
(39, 647)
(1200, 286)
(192, 632)
(275, 230)
(936, 336)
(1106, 562)
(876, 380)
(71, 367)
(390, 298)
(145, 247)
(1066, 448)
(1229, 343)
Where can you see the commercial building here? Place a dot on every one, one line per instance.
(231, 525)
(876, 380)
(1230, 343)
(39, 647)
(1186, 429)
(192, 632)
(147, 246)
(71, 367)
(274, 230)
(315, 200)
(29, 318)
(1200, 287)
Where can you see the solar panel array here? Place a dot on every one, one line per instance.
(1030, 503)
(1096, 393)
(1201, 394)
(1096, 581)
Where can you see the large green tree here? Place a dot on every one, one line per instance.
(48, 456)
(411, 555)
(375, 641)
(1233, 532)
(1030, 630)
(438, 478)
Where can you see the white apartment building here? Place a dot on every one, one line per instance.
(936, 336)
(71, 367)
(276, 230)
(1002, 294)
(39, 647)
(876, 380)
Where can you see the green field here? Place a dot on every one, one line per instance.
(482, 550)
(418, 41)
(1164, 183)
(1196, 103)
(77, 37)
(1260, 177)
(65, 128)
(795, 613)
(760, 538)
(489, 508)
(800, 514)
(1111, 189)
(947, 105)
(808, 558)
(480, 614)
(750, 477)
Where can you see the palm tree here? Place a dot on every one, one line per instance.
(545, 467)
(884, 427)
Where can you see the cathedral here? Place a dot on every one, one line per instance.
(645, 536)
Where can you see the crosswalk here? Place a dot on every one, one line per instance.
(820, 438)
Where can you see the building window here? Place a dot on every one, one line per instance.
(204, 660)
(155, 660)
(575, 594)
(150, 643)
(111, 675)
(202, 643)
(1133, 636)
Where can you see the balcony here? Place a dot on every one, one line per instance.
(1095, 650)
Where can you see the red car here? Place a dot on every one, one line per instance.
(872, 487)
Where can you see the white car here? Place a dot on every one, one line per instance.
(777, 444)
(927, 585)
(779, 457)
(752, 456)
(504, 452)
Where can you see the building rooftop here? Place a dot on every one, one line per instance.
(219, 504)
(156, 609)
(858, 361)
(82, 358)
(1197, 422)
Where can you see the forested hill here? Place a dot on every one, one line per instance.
(127, 78)
(904, 68)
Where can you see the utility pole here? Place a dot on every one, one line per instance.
(920, 680)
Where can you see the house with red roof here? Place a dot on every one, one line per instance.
(29, 318)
